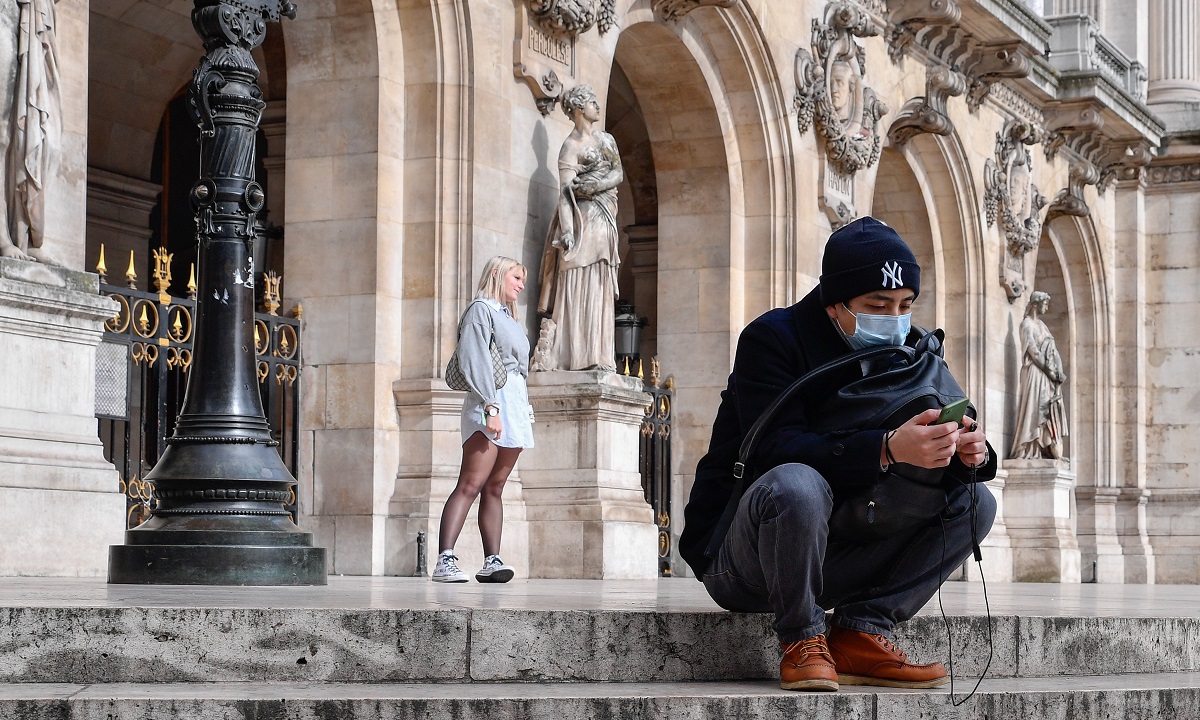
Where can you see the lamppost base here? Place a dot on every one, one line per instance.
(213, 558)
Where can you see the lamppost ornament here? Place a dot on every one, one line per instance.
(220, 485)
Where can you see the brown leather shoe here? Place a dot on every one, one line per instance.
(863, 659)
(806, 665)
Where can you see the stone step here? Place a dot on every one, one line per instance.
(1133, 697)
(76, 644)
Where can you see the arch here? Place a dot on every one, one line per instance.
(951, 253)
(1076, 257)
(722, 148)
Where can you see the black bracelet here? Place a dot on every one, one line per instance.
(887, 448)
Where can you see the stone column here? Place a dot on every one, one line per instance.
(60, 501)
(1173, 76)
(1077, 7)
(587, 514)
(1038, 512)
(1132, 324)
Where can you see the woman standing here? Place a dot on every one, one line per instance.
(496, 422)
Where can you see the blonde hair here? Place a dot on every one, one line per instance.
(491, 281)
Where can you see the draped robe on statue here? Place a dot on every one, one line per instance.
(1041, 414)
(579, 283)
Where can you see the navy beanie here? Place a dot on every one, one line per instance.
(863, 256)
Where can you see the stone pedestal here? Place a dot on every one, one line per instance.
(1039, 514)
(430, 455)
(588, 517)
(60, 502)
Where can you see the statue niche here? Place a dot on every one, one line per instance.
(1011, 197)
(831, 91)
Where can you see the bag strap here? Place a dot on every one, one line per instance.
(759, 427)
(463, 318)
(858, 357)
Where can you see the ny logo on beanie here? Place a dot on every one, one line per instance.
(892, 272)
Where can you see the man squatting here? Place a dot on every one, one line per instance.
(778, 555)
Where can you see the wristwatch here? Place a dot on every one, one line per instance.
(491, 411)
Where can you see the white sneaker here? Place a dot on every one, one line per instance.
(495, 571)
(447, 569)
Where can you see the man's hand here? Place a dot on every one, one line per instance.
(924, 442)
(972, 444)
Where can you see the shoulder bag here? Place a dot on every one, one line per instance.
(454, 375)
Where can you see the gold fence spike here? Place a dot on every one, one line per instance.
(192, 282)
(101, 268)
(131, 273)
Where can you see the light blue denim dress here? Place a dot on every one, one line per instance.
(516, 415)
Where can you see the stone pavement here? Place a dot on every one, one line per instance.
(378, 648)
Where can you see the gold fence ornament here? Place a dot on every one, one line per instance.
(101, 268)
(131, 273)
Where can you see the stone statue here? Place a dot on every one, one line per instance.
(1041, 415)
(31, 125)
(580, 261)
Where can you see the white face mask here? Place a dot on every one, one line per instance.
(877, 330)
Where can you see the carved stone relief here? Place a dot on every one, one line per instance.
(559, 17)
(672, 10)
(1079, 129)
(1069, 200)
(1011, 197)
(927, 114)
(832, 96)
(932, 29)
(544, 53)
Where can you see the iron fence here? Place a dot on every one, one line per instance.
(142, 365)
(654, 456)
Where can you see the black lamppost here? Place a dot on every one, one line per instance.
(627, 339)
(220, 485)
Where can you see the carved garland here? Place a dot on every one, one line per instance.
(849, 129)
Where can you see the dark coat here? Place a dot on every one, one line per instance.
(773, 351)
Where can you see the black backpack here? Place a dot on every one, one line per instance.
(871, 389)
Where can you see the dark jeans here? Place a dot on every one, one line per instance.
(778, 557)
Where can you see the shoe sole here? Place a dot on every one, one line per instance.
(887, 682)
(450, 580)
(814, 684)
(499, 576)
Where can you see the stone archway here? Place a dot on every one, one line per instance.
(720, 150)
(925, 189)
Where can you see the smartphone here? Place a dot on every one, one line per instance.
(954, 411)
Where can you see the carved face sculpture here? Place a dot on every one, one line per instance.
(841, 89)
(1018, 188)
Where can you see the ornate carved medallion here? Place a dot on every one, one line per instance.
(1011, 197)
(831, 92)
